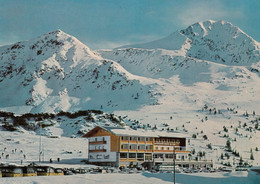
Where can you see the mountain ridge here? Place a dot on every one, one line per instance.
(57, 72)
(188, 89)
(210, 40)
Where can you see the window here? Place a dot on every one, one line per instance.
(123, 155)
(95, 139)
(168, 155)
(132, 155)
(124, 138)
(140, 155)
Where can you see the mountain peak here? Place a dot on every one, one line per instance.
(211, 27)
(218, 41)
(56, 32)
(57, 35)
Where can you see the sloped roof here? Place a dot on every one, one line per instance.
(127, 131)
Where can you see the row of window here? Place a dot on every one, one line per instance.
(98, 148)
(135, 155)
(98, 139)
(169, 156)
(162, 148)
(99, 156)
(125, 146)
(167, 140)
(126, 138)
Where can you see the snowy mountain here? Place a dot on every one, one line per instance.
(202, 81)
(212, 65)
(57, 72)
(219, 41)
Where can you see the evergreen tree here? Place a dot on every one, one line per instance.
(252, 156)
(193, 151)
(222, 156)
(241, 161)
(228, 145)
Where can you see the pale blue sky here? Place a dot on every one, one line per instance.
(111, 23)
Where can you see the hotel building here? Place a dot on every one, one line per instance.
(118, 146)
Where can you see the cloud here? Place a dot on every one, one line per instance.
(197, 11)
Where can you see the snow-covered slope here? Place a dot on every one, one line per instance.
(57, 72)
(175, 41)
(222, 42)
(197, 81)
(215, 65)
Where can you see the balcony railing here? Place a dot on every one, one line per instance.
(132, 150)
(123, 150)
(179, 149)
(136, 141)
(167, 143)
(133, 141)
(97, 142)
(97, 150)
(141, 142)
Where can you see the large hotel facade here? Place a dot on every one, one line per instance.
(120, 146)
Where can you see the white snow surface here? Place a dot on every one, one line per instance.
(166, 83)
(140, 178)
(57, 72)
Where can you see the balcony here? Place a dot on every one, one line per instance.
(97, 142)
(167, 143)
(124, 141)
(97, 150)
(123, 159)
(131, 159)
(133, 141)
(124, 150)
(178, 149)
(141, 142)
